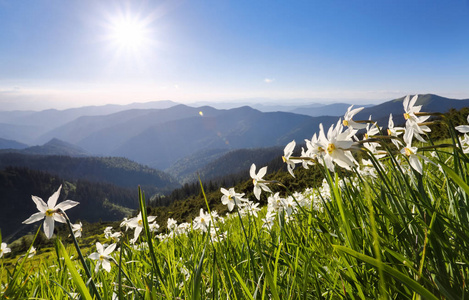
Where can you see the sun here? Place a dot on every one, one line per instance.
(129, 34)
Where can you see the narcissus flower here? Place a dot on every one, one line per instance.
(137, 223)
(230, 198)
(102, 256)
(4, 249)
(77, 229)
(50, 212)
(259, 183)
(348, 118)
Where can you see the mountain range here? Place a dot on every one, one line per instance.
(166, 137)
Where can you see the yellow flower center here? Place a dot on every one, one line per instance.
(345, 122)
(366, 136)
(389, 132)
(49, 212)
(330, 148)
(408, 152)
(102, 257)
(284, 159)
(140, 223)
(406, 116)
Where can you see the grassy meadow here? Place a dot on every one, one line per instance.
(389, 221)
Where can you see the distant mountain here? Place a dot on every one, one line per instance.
(115, 170)
(56, 147)
(336, 109)
(429, 102)
(160, 137)
(26, 126)
(11, 144)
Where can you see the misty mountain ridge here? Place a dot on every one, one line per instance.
(160, 138)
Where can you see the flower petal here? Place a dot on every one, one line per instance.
(67, 204)
(53, 199)
(262, 172)
(34, 218)
(106, 265)
(49, 227)
(99, 248)
(94, 256)
(109, 249)
(40, 204)
(252, 171)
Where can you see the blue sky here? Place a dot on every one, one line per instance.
(70, 53)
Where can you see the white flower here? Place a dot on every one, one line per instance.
(412, 121)
(137, 223)
(154, 227)
(4, 249)
(463, 128)
(411, 152)
(102, 256)
(77, 229)
(50, 211)
(336, 145)
(348, 118)
(258, 182)
(231, 198)
(394, 132)
(202, 221)
(287, 153)
(172, 224)
(32, 252)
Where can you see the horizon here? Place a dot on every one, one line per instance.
(86, 53)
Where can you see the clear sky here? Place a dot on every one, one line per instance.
(80, 52)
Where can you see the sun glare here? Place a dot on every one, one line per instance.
(129, 33)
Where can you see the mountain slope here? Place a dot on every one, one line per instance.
(116, 170)
(429, 102)
(97, 201)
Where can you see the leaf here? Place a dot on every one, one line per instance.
(414, 285)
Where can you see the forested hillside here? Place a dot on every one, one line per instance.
(98, 201)
(115, 170)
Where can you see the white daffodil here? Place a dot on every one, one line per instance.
(394, 132)
(32, 252)
(258, 182)
(102, 256)
(49, 212)
(349, 122)
(137, 223)
(202, 221)
(230, 198)
(463, 128)
(411, 152)
(412, 120)
(337, 145)
(4, 249)
(77, 229)
(171, 224)
(154, 227)
(371, 129)
(314, 149)
(287, 153)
